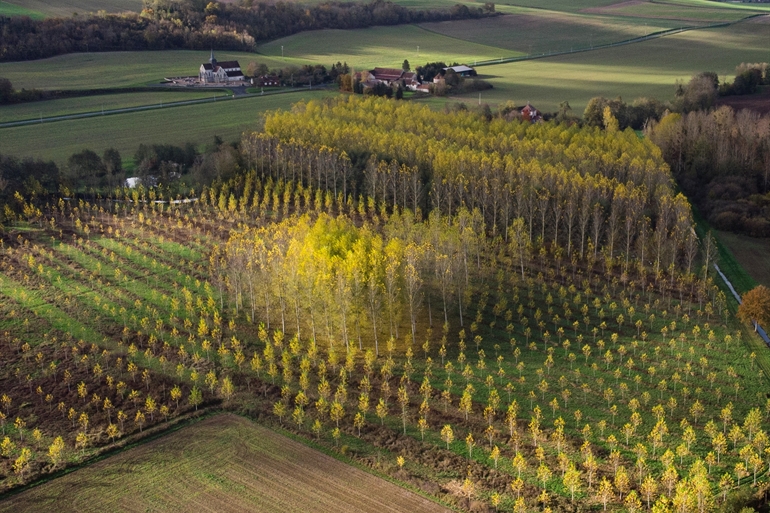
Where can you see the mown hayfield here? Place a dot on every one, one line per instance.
(628, 71)
(66, 8)
(176, 125)
(115, 69)
(547, 31)
(224, 463)
(378, 46)
(44, 109)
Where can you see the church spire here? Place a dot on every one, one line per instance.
(212, 59)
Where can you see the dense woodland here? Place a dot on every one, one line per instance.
(721, 159)
(201, 25)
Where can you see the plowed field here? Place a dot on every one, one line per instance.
(222, 464)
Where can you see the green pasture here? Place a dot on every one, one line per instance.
(547, 31)
(67, 8)
(629, 71)
(44, 109)
(9, 9)
(378, 46)
(116, 69)
(174, 125)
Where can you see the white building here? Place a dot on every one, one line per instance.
(215, 72)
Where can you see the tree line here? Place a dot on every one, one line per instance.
(200, 25)
(701, 92)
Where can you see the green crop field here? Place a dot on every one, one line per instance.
(378, 46)
(175, 125)
(628, 71)
(224, 463)
(115, 69)
(44, 109)
(66, 8)
(547, 31)
(10, 9)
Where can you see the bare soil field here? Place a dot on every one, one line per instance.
(759, 102)
(224, 463)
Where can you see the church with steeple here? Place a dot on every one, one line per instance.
(215, 72)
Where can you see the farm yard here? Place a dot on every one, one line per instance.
(536, 381)
(223, 463)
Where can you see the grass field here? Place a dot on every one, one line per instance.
(543, 31)
(378, 46)
(177, 125)
(66, 8)
(115, 69)
(224, 463)
(682, 13)
(559, 5)
(32, 110)
(751, 254)
(628, 71)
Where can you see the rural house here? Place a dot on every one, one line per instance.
(215, 72)
(266, 81)
(530, 113)
(389, 76)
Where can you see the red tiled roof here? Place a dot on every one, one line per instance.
(387, 73)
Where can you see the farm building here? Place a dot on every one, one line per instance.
(389, 76)
(462, 70)
(530, 113)
(266, 81)
(219, 72)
